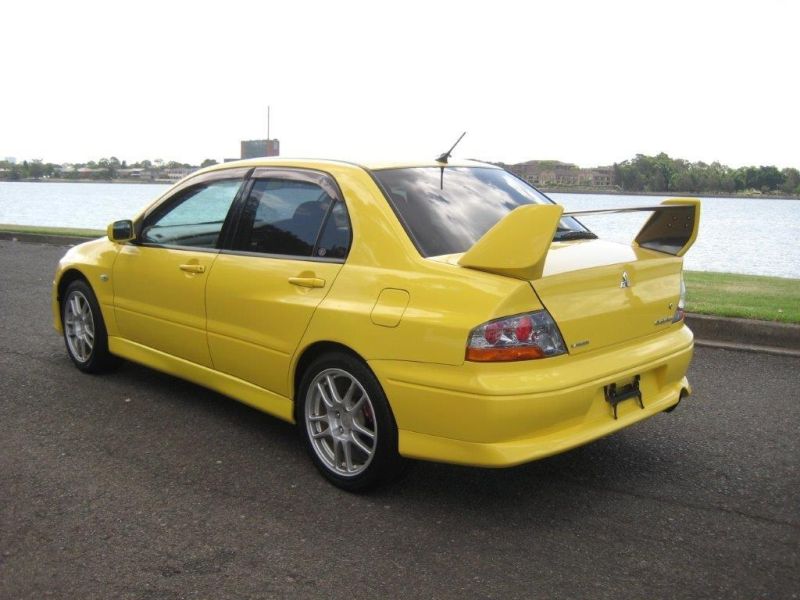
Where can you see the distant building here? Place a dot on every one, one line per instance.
(259, 148)
(178, 173)
(554, 172)
(132, 173)
(12, 160)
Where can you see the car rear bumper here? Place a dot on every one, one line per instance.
(504, 414)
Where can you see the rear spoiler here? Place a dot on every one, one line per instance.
(517, 245)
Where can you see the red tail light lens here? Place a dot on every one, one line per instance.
(520, 337)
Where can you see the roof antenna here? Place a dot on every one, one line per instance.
(443, 157)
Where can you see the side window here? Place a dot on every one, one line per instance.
(335, 239)
(195, 218)
(284, 216)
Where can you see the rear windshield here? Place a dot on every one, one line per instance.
(445, 210)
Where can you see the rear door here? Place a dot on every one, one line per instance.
(160, 279)
(292, 239)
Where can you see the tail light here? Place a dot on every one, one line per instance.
(520, 337)
(680, 312)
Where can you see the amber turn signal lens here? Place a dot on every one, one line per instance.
(503, 354)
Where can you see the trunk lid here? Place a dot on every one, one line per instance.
(602, 293)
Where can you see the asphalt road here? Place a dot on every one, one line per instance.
(138, 485)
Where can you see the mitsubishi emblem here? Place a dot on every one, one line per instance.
(626, 282)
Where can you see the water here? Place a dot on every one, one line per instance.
(76, 205)
(737, 235)
(754, 236)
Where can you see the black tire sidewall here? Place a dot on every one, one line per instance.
(386, 462)
(100, 358)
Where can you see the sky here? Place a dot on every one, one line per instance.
(586, 82)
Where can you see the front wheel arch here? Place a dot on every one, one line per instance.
(67, 277)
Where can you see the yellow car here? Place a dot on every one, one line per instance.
(444, 311)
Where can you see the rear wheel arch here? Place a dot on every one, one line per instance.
(314, 351)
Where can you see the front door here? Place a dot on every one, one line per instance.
(160, 280)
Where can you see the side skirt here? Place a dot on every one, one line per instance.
(232, 387)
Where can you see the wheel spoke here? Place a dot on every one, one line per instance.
(315, 418)
(348, 395)
(348, 455)
(360, 445)
(324, 395)
(321, 434)
(363, 430)
(332, 389)
(359, 403)
(337, 454)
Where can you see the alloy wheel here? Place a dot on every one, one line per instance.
(340, 421)
(79, 326)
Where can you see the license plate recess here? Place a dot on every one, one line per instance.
(616, 393)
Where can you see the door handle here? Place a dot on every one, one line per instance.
(193, 268)
(309, 282)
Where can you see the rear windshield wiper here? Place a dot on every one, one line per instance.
(563, 236)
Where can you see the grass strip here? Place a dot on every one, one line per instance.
(87, 233)
(743, 296)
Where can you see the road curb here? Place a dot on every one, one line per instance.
(40, 238)
(745, 334)
(717, 332)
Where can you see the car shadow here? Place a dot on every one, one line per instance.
(266, 449)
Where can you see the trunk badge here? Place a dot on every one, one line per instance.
(626, 282)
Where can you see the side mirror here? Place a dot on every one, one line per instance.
(121, 231)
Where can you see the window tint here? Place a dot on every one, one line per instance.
(446, 210)
(195, 218)
(283, 216)
(335, 239)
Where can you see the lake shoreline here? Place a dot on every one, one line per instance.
(605, 192)
(546, 189)
(105, 181)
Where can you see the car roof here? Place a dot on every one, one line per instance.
(372, 165)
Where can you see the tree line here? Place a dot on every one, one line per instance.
(661, 173)
(103, 169)
(643, 173)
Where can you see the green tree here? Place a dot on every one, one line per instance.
(791, 181)
(109, 167)
(35, 169)
(208, 162)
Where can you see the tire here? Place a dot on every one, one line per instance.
(346, 423)
(85, 333)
